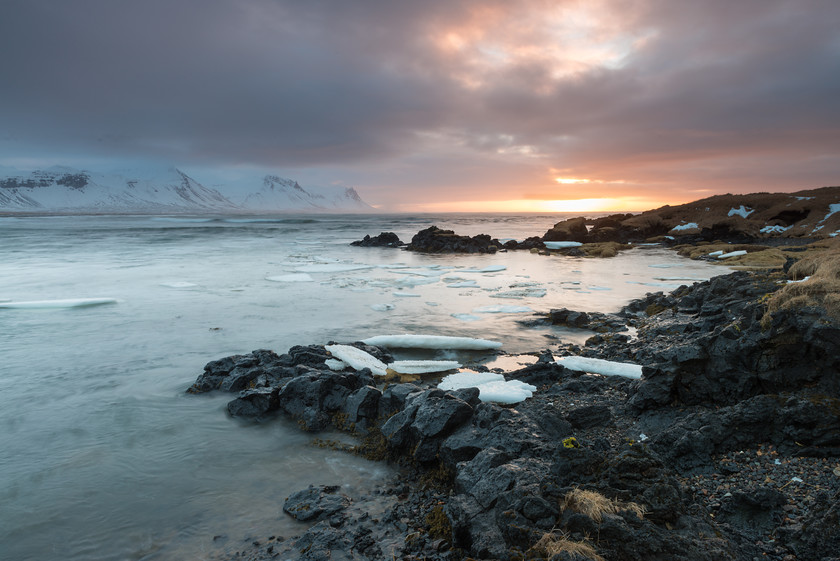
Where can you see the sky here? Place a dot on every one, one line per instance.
(434, 105)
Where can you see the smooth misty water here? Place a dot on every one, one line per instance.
(105, 457)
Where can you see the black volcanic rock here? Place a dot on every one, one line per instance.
(385, 239)
(436, 240)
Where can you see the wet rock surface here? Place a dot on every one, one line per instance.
(726, 448)
(385, 239)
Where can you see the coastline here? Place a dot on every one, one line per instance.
(728, 448)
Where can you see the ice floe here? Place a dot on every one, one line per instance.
(291, 277)
(382, 307)
(742, 211)
(405, 294)
(332, 267)
(178, 284)
(681, 227)
(411, 282)
(561, 245)
(423, 366)
(503, 310)
(487, 269)
(463, 284)
(467, 317)
(413, 341)
(732, 254)
(521, 293)
(600, 366)
(419, 273)
(57, 304)
(357, 358)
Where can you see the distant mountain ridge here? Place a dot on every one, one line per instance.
(69, 190)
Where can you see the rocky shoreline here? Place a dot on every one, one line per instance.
(728, 447)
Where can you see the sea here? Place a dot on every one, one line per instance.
(103, 456)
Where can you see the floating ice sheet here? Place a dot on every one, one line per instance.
(332, 267)
(291, 277)
(413, 341)
(518, 294)
(57, 304)
(382, 307)
(178, 284)
(503, 310)
(423, 366)
(405, 294)
(561, 245)
(487, 269)
(463, 284)
(357, 358)
(467, 317)
(600, 366)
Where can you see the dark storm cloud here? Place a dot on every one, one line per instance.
(720, 91)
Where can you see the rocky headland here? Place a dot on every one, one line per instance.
(726, 447)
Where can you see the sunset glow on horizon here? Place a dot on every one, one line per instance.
(492, 105)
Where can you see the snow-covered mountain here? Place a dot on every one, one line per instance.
(68, 190)
(277, 192)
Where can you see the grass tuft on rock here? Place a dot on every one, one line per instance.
(821, 290)
(595, 505)
(554, 543)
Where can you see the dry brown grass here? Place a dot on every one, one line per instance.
(595, 505)
(822, 289)
(553, 543)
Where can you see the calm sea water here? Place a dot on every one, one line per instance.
(103, 454)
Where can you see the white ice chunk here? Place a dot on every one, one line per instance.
(55, 304)
(405, 294)
(467, 317)
(742, 211)
(411, 341)
(332, 268)
(335, 365)
(468, 379)
(382, 307)
(715, 253)
(512, 391)
(800, 280)
(599, 366)
(291, 277)
(561, 245)
(732, 254)
(423, 366)
(463, 284)
(357, 358)
(178, 284)
(681, 227)
(599, 288)
(503, 310)
(491, 386)
(775, 229)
